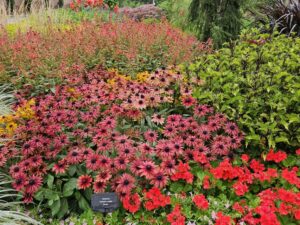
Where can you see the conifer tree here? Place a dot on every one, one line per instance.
(216, 19)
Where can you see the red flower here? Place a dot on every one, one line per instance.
(183, 173)
(200, 201)
(84, 182)
(298, 151)
(297, 214)
(237, 207)
(240, 188)
(206, 183)
(276, 156)
(132, 203)
(291, 176)
(245, 157)
(222, 219)
(175, 217)
(155, 199)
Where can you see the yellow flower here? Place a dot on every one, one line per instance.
(11, 127)
(142, 77)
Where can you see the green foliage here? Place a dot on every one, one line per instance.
(177, 13)
(219, 20)
(256, 82)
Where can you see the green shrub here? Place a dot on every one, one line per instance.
(256, 82)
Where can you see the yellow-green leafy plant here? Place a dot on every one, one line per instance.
(256, 82)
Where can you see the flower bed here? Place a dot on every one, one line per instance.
(103, 131)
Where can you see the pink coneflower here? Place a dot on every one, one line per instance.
(33, 183)
(150, 136)
(104, 145)
(204, 132)
(231, 128)
(127, 151)
(139, 103)
(188, 155)
(136, 167)
(122, 141)
(145, 149)
(165, 149)
(20, 182)
(158, 119)
(60, 167)
(28, 148)
(35, 161)
(219, 148)
(159, 179)
(84, 182)
(169, 131)
(152, 100)
(99, 186)
(74, 156)
(168, 166)
(177, 145)
(121, 162)
(103, 176)
(221, 117)
(86, 152)
(125, 183)
(104, 162)
(202, 110)
(93, 162)
(191, 141)
(188, 101)
(235, 142)
(147, 169)
(15, 170)
(27, 197)
(108, 122)
(183, 126)
(174, 119)
(213, 125)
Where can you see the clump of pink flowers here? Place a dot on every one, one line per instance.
(95, 121)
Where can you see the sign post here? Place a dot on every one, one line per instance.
(105, 202)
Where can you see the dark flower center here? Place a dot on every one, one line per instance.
(148, 167)
(159, 177)
(31, 182)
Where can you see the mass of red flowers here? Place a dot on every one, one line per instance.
(155, 199)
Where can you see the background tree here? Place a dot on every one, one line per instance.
(10, 6)
(216, 19)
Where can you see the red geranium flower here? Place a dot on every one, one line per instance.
(175, 217)
(222, 219)
(132, 203)
(276, 156)
(200, 201)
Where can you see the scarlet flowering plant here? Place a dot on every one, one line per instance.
(37, 61)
